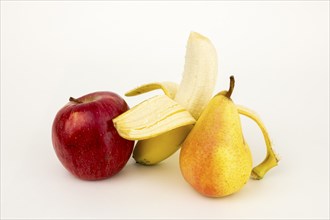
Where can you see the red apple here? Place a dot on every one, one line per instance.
(85, 139)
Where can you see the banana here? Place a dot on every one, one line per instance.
(193, 93)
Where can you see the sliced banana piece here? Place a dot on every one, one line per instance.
(151, 118)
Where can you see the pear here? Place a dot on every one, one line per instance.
(214, 158)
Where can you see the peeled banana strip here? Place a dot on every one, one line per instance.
(271, 160)
(151, 118)
(169, 88)
(148, 110)
(168, 123)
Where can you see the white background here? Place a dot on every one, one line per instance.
(278, 52)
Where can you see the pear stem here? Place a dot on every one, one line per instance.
(231, 87)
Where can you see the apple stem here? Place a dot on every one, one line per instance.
(71, 99)
(231, 86)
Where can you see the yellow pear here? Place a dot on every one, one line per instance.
(214, 158)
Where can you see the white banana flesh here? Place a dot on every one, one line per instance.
(200, 74)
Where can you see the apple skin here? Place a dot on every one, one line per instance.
(85, 139)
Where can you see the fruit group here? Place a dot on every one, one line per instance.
(214, 158)
(85, 139)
